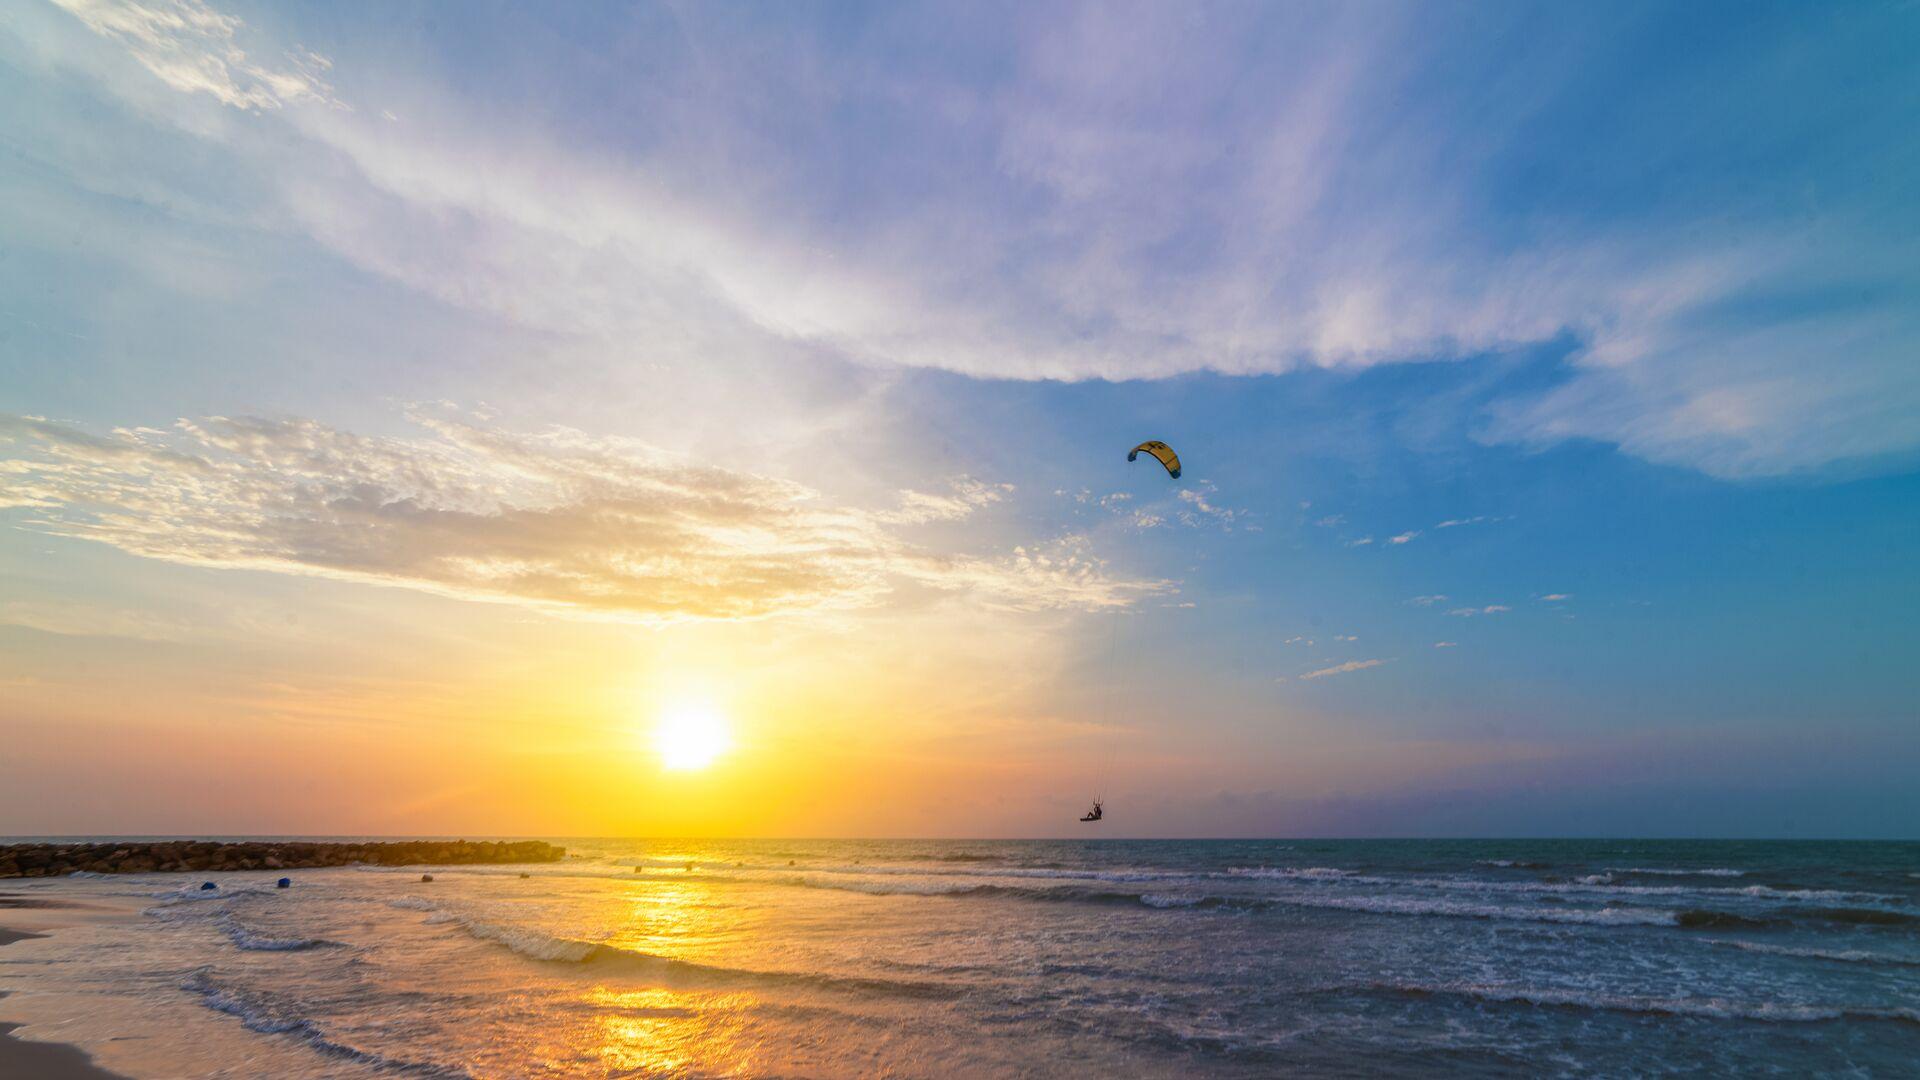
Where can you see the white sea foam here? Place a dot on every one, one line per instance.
(256, 1015)
(1846, 956)
(254, 941)
(1400, 905)
(1713, 1007)
(1592, 884)
(1298, 873)
(1659, 871)
(889, 888)
(530, 943)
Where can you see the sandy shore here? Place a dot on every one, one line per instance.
(40, 1060)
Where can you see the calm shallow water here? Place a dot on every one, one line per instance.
(1332, 958)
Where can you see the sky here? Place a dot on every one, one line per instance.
(407, 411)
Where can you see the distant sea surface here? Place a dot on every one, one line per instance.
(994, 958)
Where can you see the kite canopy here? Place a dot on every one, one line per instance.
(1162, 453)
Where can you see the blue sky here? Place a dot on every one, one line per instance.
(1548, 381)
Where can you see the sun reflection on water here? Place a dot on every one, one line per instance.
(669, 1031)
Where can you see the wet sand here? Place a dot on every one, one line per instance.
(47, 1061)
(40, 1060)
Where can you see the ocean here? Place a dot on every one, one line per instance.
(1006, 958)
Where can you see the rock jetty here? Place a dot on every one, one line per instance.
(141, 857)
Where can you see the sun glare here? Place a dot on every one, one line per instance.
(690, 736)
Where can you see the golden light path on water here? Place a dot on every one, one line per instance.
(657, 1030)
(661, 1031)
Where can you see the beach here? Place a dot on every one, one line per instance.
(29, 1058)
(994, 958)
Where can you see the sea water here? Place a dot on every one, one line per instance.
(996, 958)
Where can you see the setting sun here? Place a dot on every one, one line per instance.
(690, 736)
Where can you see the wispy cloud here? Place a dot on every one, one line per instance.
(558, 519)
(1362, 542)
(1553, 598)
(194, 49)
(968, 495)
(1446, 644)
(1199, 507)
(1342, 669)
(1404, 538)
(1490, 609)
(1261, 167)
(1331, 520)
(1428, 601)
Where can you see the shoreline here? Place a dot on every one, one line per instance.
(32, 1057)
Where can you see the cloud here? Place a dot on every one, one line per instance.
(1201, 509)
(1362, 542)
(1551, 598)
(1345, 637)
(1342, 669)
(1250, 215)
(1446, 644)
(968, 495)
(1428, 601)
(1331, 520)
(1403, 538)
(194, 49)
(558, 520)
(1454, 523)
(1296, 640)
(1490, 609)
(1117, 503)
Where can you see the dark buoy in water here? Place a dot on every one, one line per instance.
(789, 862)
(426, 877)
(205, 885)
(689, 868)
(526, 875)
(284, 883)
(639, 869)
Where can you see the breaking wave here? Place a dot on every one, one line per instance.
(1860, 916)
(1717, 920)
(551, 948)
(1379, 905)
(1662, 871)
(261, 1015)
(1844, 956)
(1706, 1007)
(253, 941)
(1398, 905)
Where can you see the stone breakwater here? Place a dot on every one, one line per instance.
(52, 860)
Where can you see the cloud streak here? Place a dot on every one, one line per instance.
(558, 520)
(195, 49)
(1490, 609)
(1342, 669)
